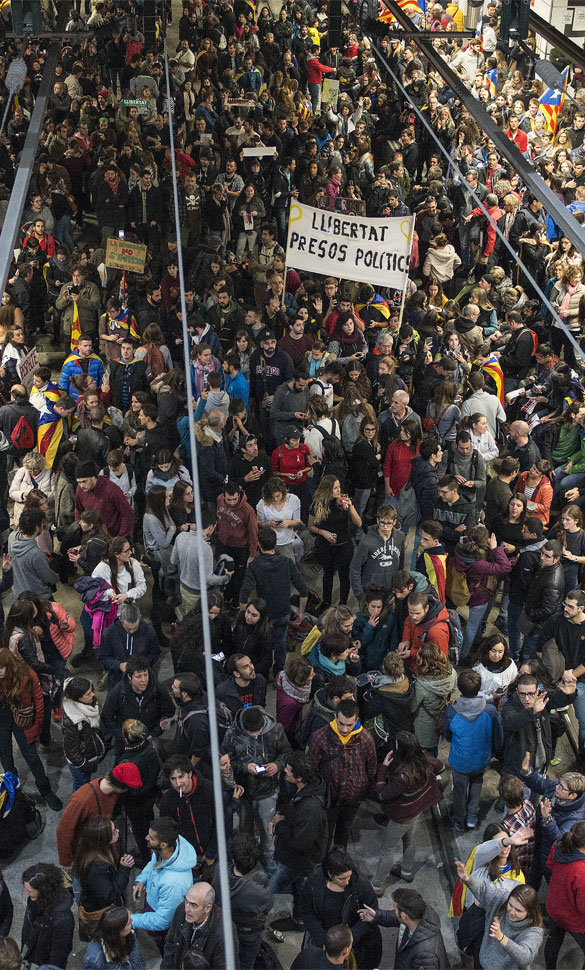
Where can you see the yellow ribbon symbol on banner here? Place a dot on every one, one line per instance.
(295, 213)
(406, 229)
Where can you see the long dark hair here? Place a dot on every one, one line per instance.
(493, 867)
(47, 879)
(166, 457)
(114, 549)
(21, 616)
(574, 839)
(263, 629)
(95, 842)
(156, 504)
(177, 498)
(109, 933)
(410, 760)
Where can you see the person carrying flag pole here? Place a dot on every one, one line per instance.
(552, 101)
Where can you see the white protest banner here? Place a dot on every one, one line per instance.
(26, 368)
(260, 152)
(373, 251)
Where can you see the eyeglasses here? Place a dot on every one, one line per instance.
(564, 787)
(527, 693)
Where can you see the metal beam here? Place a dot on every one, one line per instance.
(428, 34)
(19, 193)
(505, 147)
(567, 47)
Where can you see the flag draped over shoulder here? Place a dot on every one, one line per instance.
(491, 79)
(552, 101)
(75, 328)
(50, 431)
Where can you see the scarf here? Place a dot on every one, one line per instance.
(345, 738)
(300, 694)
(78, 712)
(566, 301)
(329, 667)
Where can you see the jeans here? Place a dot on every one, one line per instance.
(257, 813)
(85, 620)
(284, 880)
(514, 611)
(579, 709)
(248, 948)
(28, 752)
(341, 816)
(415, 549)
(554, 942)
(530, 643)
(62, 232)
(563, 482)
(314, 93)
(361, 497)
(79, 777)
(396, 832)
(281, 217)
(280, 628)
(332, 559)
(476, 615)
(466, 794)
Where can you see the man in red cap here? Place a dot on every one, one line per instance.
(97, 797)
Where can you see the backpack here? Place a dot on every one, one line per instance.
(326, 435)
(224, 719)
(455, 634)
(156, 362)
(22, 435)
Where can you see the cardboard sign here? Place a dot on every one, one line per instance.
(373, 251)
(330, 92)
(124, 255)
(135, 103)
(26, 368)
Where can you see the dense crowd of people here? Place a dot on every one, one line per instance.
(391, 485)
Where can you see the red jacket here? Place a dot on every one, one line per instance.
(520, 138)
(541, 496)
(316, 70)
(565, 899)
(237, 526)
(397, 464)
(31, 693)
(290, 460)
(490, 231)
(46, 243)
(434, 629)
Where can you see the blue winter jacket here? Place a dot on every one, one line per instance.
(474, 729)
(166, 886)
(238, 387)
(564, 814)
(72, 369)
(376, 641)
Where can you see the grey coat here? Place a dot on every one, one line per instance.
(523, 941)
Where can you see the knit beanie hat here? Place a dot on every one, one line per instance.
(125, 776)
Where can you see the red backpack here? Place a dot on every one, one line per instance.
(22, 435)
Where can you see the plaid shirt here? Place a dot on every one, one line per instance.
(523, 818)
(349, 769)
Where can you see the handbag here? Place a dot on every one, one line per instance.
(23, 716)
(407, 509)
(525, 624)
(88, 922)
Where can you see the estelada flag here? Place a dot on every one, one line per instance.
(491, 79)
(411, 7)
(552, 101)
(75, 328)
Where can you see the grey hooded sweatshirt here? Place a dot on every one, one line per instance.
(31, 567)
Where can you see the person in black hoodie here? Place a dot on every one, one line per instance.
(545, 594)
(138, 696)
(189, 800)
(128, 636)
(47, 929)
(139, 804)
(301, 831)
(251, 899)
(335, 893)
